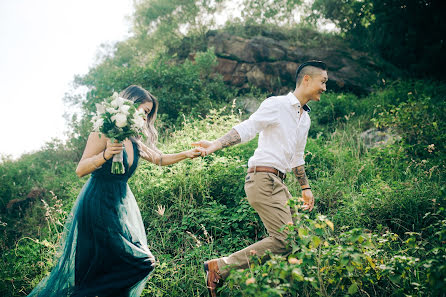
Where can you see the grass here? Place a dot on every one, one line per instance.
(196, 210)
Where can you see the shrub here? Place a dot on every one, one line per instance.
(189, 87)
(352, 262)
(420, 122)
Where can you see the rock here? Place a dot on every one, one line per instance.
(270, 64)
(20, 205)
(374, 137)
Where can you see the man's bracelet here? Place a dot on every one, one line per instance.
(103, 156)
(308, 188)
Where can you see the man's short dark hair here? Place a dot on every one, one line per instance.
(318, 64)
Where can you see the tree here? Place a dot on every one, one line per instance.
(408, 33)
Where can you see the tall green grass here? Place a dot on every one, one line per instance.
(386, 203)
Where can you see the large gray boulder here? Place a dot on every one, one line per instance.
(270, 64)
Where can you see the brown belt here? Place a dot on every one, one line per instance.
(273, 170)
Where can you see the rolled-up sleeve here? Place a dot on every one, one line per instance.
(266, 115)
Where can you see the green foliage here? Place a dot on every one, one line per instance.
(388, 201)
(159, 23)
(420, 121)
(350, 262)
(425, 96)
(190, 87)
(319, 263)
(336, 108)
(265, 11)
(397, 30)
(46, 169)
(302, 35)
(386, 204)
(29, 258)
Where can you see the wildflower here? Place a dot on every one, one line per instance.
(431, 148)
(198, 242)
(250, 280)
(329, 224)
(293, 260)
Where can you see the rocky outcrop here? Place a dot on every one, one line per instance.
(270, 64)
(374, 137)
(19, 205)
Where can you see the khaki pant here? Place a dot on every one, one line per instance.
(268, 195)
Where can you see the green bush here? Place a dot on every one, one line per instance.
(351, 262)
(420, 122)
(191, 87)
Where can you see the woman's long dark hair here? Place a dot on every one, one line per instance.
(140, 95)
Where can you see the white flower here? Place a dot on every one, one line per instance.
(111, 110)
(97, 124)
(119, 101)
(120, 119)
(124, 109)
(100, 108)
(114, 96)
(141, 113)
(139, 122)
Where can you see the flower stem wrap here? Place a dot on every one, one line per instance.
(118, 163)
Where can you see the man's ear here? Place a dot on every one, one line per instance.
(306, 79)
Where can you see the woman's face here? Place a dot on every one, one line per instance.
(147, 107)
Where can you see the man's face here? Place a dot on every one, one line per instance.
(317, 84)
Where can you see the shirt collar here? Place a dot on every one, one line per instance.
(293, 101)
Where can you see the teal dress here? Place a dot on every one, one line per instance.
(105, 249)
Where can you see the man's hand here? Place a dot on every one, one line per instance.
(229, 139)
(207, 147)
(308, 199)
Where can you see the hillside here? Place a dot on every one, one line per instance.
(375, 159)
(386, 204)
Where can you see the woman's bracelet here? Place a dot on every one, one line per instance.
(307, 188)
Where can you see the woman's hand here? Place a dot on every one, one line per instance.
(193, 153)
(112, 148)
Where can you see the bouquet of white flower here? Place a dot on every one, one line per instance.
(118, 119)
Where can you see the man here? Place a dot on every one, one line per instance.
(283, 123)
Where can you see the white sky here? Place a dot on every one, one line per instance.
(43, 44)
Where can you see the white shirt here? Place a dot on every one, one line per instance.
(283, 133)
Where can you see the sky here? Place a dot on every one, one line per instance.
(43, 45)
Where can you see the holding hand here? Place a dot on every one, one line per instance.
(193, 153)
(229, 139)
(207, 147)
(112, 148)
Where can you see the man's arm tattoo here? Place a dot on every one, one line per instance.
(231, 138)
(299, 171)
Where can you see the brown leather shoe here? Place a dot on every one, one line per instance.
(213, 277)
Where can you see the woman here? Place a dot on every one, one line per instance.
(105, 251)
